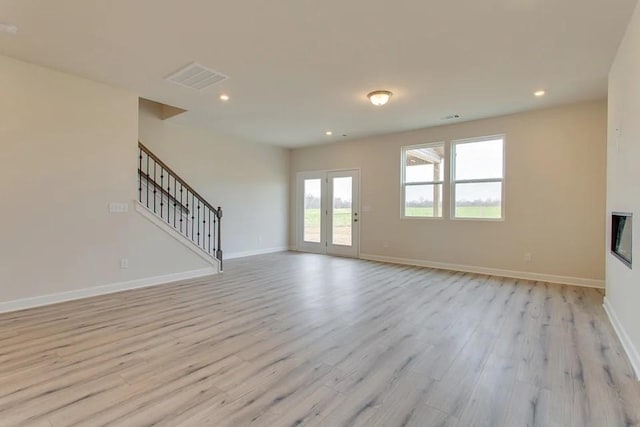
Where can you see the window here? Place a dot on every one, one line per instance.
(478, 178)
(422, 180)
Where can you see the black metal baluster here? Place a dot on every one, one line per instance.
(219, 251)
(209, 234)
(175, 201)
(168, 197)
(161, 190)
(186, 218)
(155, 186)
(140, 175)
(198, 222)
(204, 226)
(181, 205)
(192, 217)
(147, 180)
(212, 233)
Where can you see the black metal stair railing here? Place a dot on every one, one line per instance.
(168, 196)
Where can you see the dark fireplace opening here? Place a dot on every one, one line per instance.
(621, 237)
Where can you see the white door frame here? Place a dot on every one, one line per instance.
(324, 247)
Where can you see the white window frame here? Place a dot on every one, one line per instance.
(453, 180)
(404, 184)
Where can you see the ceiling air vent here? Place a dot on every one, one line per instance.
(196, 76)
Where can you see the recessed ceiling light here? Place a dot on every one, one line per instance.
(379, 97)
(539, 93)
(328, 133)
(224, 97)
(8, 28)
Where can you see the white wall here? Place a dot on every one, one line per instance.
(68, 149)
(555, 195)
(623, 185)
(249, 181)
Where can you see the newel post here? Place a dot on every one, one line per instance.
(219, 251)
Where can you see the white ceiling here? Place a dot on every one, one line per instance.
(300, 67)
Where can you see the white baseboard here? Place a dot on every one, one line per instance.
(629, 348)
(145, 212)
(22, 304)
(565, 280)
(235, 255)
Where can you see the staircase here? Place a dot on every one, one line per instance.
(162, 192)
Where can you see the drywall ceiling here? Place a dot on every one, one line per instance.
(298, 68)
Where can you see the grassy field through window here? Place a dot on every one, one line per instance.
(342, 217)
(341, 225)
(461, 212)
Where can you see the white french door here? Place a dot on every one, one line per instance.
(328, 216)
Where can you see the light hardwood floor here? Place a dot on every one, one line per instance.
(299, 339)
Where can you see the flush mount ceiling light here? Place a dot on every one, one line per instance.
(224, 97)
(539, 93)
(328, 133)
(379, 97)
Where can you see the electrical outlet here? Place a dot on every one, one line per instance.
(124, 263)
(527, 257)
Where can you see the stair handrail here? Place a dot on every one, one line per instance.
(183, 185)
(177, 177)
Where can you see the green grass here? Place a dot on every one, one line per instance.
(413, 211)
(341, 217)
(461, 212)
(478, 212)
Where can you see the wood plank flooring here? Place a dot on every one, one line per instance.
(299, 339)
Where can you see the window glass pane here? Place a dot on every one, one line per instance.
(424, 164)
(479, 160)
(312, 210)
(479, 200)
(342, 195)
(423, 200)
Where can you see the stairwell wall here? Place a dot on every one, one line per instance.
(249, 181)
(68, 149)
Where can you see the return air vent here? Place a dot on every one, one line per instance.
(196, 76)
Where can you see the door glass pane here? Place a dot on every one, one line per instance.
(342, 209)
(312, 194)
(479, 200)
